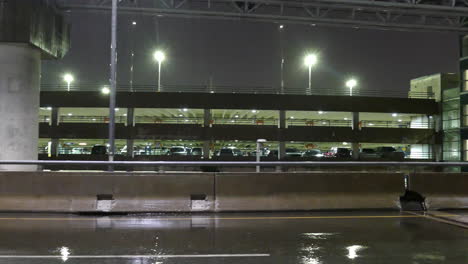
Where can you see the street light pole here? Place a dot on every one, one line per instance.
(159, 56)
(113, 82)
(351, 84)
(68, 78)
(281, 35)
(159, 76)
(310, 60)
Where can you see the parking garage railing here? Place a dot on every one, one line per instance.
(237, 89)
(236, 163)
(241, 121)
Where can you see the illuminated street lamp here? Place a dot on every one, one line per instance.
(351, 84)
(310, 61)
(105, 90)
(160, 57)
(68, 78)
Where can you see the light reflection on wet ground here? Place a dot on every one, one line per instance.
(306, 238)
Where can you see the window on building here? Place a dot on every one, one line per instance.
(465, 149)
(451, 146)
(465, 80)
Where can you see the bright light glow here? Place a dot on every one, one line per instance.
(351, 83)
(324, 123)
(320, 112)
(292, 117)
(105, 90)
(49, 108)
(68, 78)
(431, 117)
(185, 109)
(399, 120)
(232, 121)
(181, 115)
(345, 143)
(134, 23)
(94, 119)
(117, 109)
(353, 250)
(281, 26)
(159, 56)
(124, 114)
(64, 253)
(310, 60)
(254, 111)
(371, 124)
(236, 116)
(70, 114)
(83, 144)
(47, 119)
(394, 114)
(186, 120)
(345, 118)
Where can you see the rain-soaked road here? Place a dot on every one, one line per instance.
(312, 238)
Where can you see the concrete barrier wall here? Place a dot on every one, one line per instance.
(243, 191)
(441, 190)
(131, 192)
(307, 191)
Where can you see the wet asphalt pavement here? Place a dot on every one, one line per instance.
(312, 238)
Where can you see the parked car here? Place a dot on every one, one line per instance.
(390, 153)
(312, 153)
(178, 151)
(368, 153)
(197, 151)
(273, 153)
(340, 152)
(230, 152)
(293, 152)
(99, 150)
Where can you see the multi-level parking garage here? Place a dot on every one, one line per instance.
(73, 122)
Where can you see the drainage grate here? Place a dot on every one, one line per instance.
(199, 202)
(104, 202)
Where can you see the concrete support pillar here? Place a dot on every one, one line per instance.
(207, 118)
(282, 119)
(20, 68)
(281, 149)
(206, 149)
(54, 122)
(130, 145)
(130, 123)
(281, 126)
(54, 147)
(356, 128)
(131, 117)
(54, 116)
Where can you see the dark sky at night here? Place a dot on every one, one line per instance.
(241, 53)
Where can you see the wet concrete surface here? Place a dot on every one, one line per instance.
(309, 238)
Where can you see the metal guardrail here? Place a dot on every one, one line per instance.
(237, 89)
(233, 163)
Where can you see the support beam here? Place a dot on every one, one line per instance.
(336, 13)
